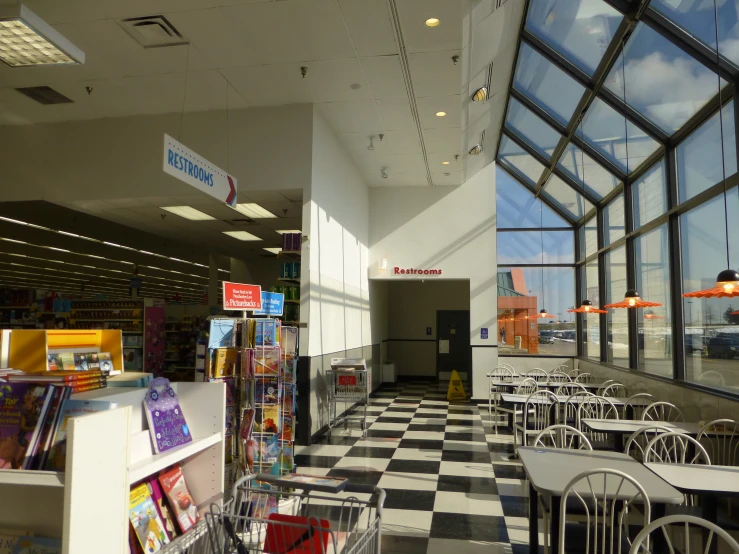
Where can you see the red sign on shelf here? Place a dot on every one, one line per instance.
(237, 296)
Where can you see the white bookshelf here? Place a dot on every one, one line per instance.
(107, 452)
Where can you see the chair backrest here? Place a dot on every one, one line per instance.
(662, 411)
(540, 410)
(720, 438)
(596, 407)
(584, 378)
(500, 374)
(606, 496)
(573, 405)
(537, 374)
(675, 448)
(677, 529)
(639, 439)
(557, 376)
(615, 390)
(604, 385)
(572, 372)
(711, 378)
(562, 436)
(635, 405)
(527, 386)
(509, 366)
(568, 389)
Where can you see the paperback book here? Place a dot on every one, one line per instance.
(267, 419)
(37, 545)
(175, 487)
(145, 520)
(266, 390)
(222, 333)
(21, 406)
(167, 424)
(267, 361)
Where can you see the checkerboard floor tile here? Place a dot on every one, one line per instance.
(450, 486)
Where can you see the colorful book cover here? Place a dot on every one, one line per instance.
(67, 359)
(37, 436)
(288, 398)
(20, 411)
(80, 362)
(37, 545)
(46, 449)
(267, 361)
(221, 333)
(55, 362)
(262, 505)
(175, 487)
(167, 424)
(106, 361)
(247, 423)
(267, 419)
(287, 427)
(267, 332)
(145, 519)
(266, 390)
(225, 362)
(230, 387)
(289, 341)
(269, 448)
(230, 420)
(93, 361)
(165, 513)
(288, 369)
(248, 363)
(57, 459)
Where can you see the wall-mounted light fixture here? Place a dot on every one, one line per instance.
(383, 264)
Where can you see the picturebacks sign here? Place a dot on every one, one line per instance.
(196, 171)
(238, 296)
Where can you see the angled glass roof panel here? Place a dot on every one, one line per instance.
(587, 172)
(619, 140)
(517, 208)
(512, 153)
(699, 19)
(579, 30)
(546, 85)
(562, 194)
(662, 82)
(538, 134)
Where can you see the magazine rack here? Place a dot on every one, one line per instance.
(107, 452)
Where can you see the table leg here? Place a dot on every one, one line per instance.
(533, 520)
(618, 442)
(710, 512)
(555, 523)
(659, 544)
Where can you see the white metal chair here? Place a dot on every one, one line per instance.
(663, 411)
(527, 386)
(675, 448)
(538, 375)
(639, 439)
(586, 378)
(596, 407)
(568, 389)
(615, 390)
(712, 378)
(720, 438)
(637, 403)
(500, 374)
(562, 436)
(573, 373)
(557, 376)
(572, 405)
(606, 496)
(676, 529)
(603, 386)
(540, 411)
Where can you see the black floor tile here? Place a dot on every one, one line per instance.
(460, 483)
(369, 452)
(389, 419)
(377, 403)
(461, 410)
(464, 456)
(464, 422)
(468, 527)
(396, 544)
(336, 440)
(382, 433)
(402, 401)
(316, 461)
(472, 437)
(433, 405)
(503, 471)
(524, 549)
(515, 506)
(357, 477)
(421, 444)
(500, 448)
(414, 466)
(426, 427)
(401, 499)
(414, 393)
(400, 409)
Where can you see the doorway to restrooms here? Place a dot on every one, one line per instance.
(428, 331)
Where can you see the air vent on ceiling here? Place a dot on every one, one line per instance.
(45, 95)
(241, 222)
(152, 31)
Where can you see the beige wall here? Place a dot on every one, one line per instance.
(412, 307)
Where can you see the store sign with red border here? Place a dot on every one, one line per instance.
(238, 296)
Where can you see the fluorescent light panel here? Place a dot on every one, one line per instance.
(188, 213)
(286, 231)
(255, 211)
(241, 235)
(273, 250)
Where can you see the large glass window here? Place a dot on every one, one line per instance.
(711, 329)
(536, 247)
(614, 224)
(699, 155)
(591, 322)
(546, 85)
(653, 283)
(567, 197)
(585, 171)
(591, 236)
(533, 130)
(659, 80)
(617, 323)
(517, 208)
(650, 195)
(579, 31)
(519, 159)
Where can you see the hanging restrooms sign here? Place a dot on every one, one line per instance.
(193, 169)
(237, 296)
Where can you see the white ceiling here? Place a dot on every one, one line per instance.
(249, 53)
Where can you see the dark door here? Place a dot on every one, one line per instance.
(453, 349)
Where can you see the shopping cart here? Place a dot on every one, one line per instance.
(348, 384)
(266, 517)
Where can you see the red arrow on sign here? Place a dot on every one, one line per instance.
(232, 194)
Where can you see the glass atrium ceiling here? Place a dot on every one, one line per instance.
(601, 88)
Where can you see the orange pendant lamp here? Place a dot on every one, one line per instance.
(649, 314)
(632, 300)
(544, 315)
(587, 308)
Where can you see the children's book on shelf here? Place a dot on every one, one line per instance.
(167, 424)
(266, 390)
(44, 450)
(175, 487)
(59, 376)
(267, 419)
(8, 540)
(80, 362)
(267, 361)
(106, 362)
(57, 458)
(222, 333)
(267, 332)
(262, 505)
(145, 520)
(247, 423)
(268, 448)
(288, 398)
(289, 342)
(225, 362)
(165, 513)
(55, 362)
(67, 359)
(21, 407)
(37, 545)
(230, 420)
(287, 427)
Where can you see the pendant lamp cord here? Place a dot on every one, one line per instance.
(721, 127)
(626, 145)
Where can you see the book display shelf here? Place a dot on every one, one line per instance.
(289, 280)
(181, 340)
(107, 453)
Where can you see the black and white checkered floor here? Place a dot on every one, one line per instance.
(449, 484)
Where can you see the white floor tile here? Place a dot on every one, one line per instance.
(410, 523)
(378, 442)
(400, 415)
(430, 420)
(408, 481)
(363, 464)
(464, 417)
(518, 530)
(383, 400)
(416, 454)
(436, 402)
(467, 469)
(512, 487)
(430, 411)
(464, 429)
(445, 546)
(382, 426)
(468, 503)
(424, 435)
(466, 446)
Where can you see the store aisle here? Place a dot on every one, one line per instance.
(449, 485)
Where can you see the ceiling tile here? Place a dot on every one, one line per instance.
(434, 73)
(400, 142)
(447, 178)
(396, 115)
(442, 140)
(429, 106)
(369, 26)
(403, 163)
(352, 117)
(420, 38)
(385, 77)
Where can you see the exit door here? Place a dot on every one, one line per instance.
(453, 351)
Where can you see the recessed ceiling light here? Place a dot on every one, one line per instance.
(440, 114)
(273, 250)
(286, 231)
(27, 40)
(188, 213)
(241, 235)
(255, 211)
(432, 22)
(444, 163)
